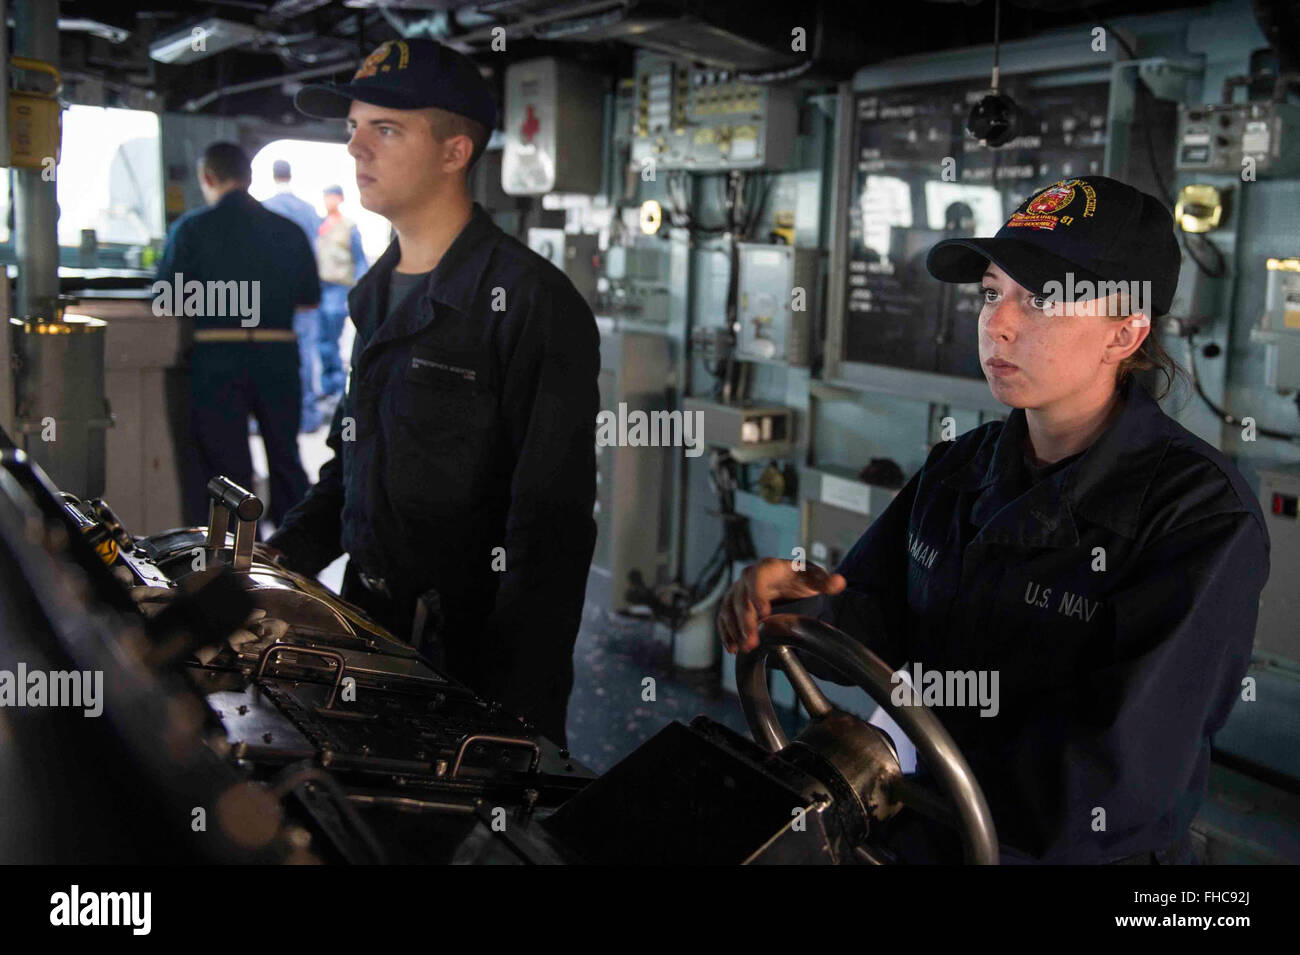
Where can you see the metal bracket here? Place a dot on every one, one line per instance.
(334, 655)
(503, 740)
(328, 708)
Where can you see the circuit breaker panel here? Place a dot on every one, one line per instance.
(708, 120)
(1230, 137)
(778, 285)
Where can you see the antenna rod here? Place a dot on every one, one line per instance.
(997, 33)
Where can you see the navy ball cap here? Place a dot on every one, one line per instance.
(407, 74)
(1090, 229)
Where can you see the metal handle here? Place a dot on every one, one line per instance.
(39, 66)
(504, 740)
(334, 655)
(809, 693)
(228, 498)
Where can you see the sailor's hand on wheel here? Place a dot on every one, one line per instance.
(750, 599)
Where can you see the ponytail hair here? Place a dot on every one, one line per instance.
(1151, 356)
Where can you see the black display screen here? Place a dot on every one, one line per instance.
(920, 177)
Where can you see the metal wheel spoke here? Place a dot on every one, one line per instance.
(957, 801)
(926, 800)
(809, 693)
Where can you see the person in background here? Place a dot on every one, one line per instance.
(342, 262)
(306, 324)
(243, 358)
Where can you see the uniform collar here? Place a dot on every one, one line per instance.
(456, 278)
(236, 197)
(453, 282)
(1111, 479)
(1106, 485)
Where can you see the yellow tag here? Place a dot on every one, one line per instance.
(107, 550)
(34, 127)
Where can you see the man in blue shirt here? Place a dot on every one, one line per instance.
(306, 323)
(342, 262)
(239, 271)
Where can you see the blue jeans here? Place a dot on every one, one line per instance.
(333, 313)
(305, 326)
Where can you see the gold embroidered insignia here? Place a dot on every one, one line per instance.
(374, 63)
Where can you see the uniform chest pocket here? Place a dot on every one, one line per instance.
(1052, 622)
(446, 422)
(444, 390)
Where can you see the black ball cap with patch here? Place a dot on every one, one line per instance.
(407, 74)
(1091, 229)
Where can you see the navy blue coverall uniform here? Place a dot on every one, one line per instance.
(472, 411)
(1117, 599)
(236, 239)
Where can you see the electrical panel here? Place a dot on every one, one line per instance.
(1279, 329)
(634, 483)
(829, 532)
(574, 253)
(836, 509)
(777, 286)
(918, 177)
(554, 115)
(750, 430)
(642, 262)
(707, 120)
(638, 282)
(1279, 604)
(1226, 137)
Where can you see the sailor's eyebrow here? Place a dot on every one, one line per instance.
(378, 121)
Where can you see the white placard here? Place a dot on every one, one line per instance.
(849, 495)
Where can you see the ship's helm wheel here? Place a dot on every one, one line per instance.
(860, 752)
